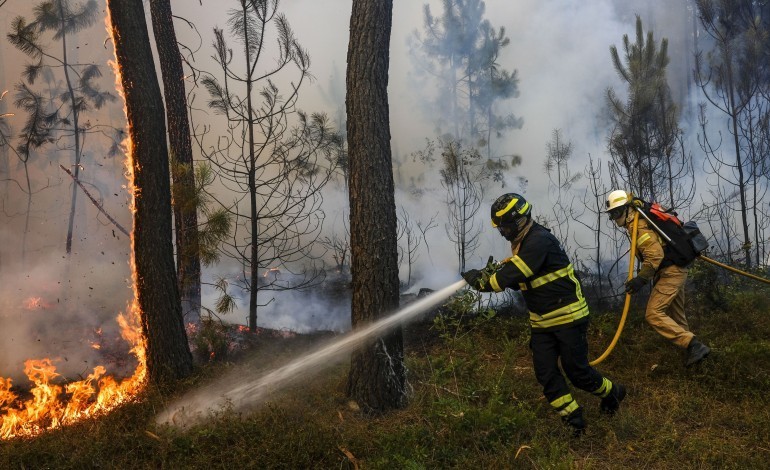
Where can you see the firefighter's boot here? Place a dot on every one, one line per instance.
(611, 402)
(575, 422)
(696, 352)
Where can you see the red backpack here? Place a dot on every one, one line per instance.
(684, 241)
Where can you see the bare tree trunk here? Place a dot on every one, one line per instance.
(377, 378)
(75, 126)
(188, 262)
(738, 162)
(253, 211)
(168, 354)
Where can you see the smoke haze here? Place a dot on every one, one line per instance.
(560, 50)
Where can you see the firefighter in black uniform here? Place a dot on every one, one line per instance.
(558, 312)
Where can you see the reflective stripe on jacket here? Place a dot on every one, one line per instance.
(542, 271)
(649, 249)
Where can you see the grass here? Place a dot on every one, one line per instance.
(475, 404)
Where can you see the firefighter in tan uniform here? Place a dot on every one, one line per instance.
(665, 308)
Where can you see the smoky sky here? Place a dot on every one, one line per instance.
(559, 48)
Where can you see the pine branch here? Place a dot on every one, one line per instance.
(95, 202)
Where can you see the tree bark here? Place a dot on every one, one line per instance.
(188, 263)
(168, 354)
(377, 378)
(75, 127)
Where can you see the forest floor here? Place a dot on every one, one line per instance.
(474, 403)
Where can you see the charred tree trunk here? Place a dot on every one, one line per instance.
(168, 354)
(188, 264)
(377, 378)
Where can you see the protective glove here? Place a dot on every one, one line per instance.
(473, 277)
(634, 285)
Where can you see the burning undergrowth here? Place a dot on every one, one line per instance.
(52, 400)
(63, 309)
(73, 344)
(65, 357)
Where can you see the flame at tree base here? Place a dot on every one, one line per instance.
(52, 406)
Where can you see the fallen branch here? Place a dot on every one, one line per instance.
(96, 203)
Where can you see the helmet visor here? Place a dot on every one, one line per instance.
(507, 231)
(617, 212)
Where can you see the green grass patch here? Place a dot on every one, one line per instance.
(475, 403)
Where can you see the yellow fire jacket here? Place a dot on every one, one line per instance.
(649, 249)
(542, 271)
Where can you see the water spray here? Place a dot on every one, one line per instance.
(243, 392)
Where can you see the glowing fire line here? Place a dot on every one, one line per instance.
(52, 406)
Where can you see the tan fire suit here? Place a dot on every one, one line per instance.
(665, 308)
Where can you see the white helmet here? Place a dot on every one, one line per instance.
(617, 198)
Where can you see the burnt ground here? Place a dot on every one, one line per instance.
(224, 343)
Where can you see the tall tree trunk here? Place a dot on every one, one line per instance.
(76, 129)
(188, 264)
(377, 378)
(734, 115)
(168, 354)
(253, 210)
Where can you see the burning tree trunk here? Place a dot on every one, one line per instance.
(377, 379)
(168, 354)
(185, 215)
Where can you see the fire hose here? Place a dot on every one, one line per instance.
(627, 303)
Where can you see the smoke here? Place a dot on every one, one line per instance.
(560, 50)
(52, 304)
(64, 309)
(242, 390)
(300, 311)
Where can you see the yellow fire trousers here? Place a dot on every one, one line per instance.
(665, 309)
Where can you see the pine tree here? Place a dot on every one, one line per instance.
(81, 94)
(644, 142)
(377, 378)
(460, 51)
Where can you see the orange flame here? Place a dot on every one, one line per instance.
(276, 271)
(33, 303)
(50, 405)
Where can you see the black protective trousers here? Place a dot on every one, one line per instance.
(571, 345)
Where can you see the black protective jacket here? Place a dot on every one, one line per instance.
(542, 271)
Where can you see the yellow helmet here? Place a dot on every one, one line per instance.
(617, 198)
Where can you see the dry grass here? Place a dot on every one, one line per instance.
(475, 404)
